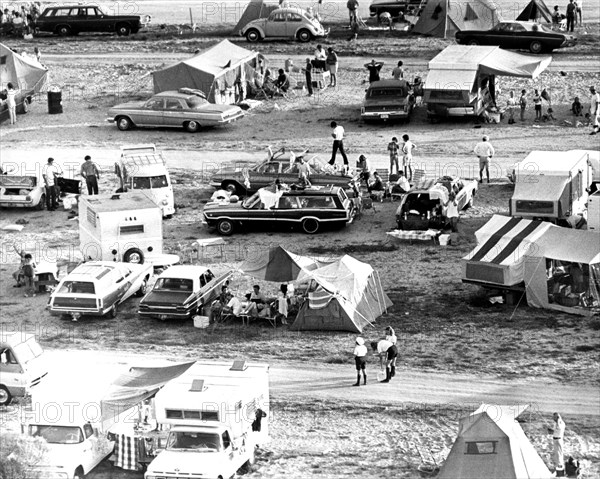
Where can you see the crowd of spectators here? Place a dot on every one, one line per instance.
(19, 21)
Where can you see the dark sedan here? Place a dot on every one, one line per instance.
(519, 36)
(279, 165)
(310, 209)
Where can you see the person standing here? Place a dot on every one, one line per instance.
(386, 350)
(537, 105)
(523, 104)
(332, 66)
(398, 72)
(352, 6)
(365, 169)
(556, 18)
(50, 172)
(360, 360)
(308, 75)
(338, 144)
(304, 172)
(571, 7)
(320, 58)
(374, 68)
(11, 102)
(407, 156)
(511, 104)
(394, 149)
(558, 432)
(579, 4)
(484, 151)
(595, 110)
(29, 273)
(91, 173)
(452, 212)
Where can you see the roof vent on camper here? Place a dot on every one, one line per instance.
(238, 365)
(198, 385)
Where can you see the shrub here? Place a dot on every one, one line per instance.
(18, 453)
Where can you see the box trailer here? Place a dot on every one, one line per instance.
(121, 227)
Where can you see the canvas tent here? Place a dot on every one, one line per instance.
(536, 10)
(502, 244)
(563, 271)
(25, 73)
(492, 444)
(442, 18)
(222, 72)
(345, 296)
(255, 9)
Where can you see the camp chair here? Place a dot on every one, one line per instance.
(271, 315)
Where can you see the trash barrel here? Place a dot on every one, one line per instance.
(55, 101)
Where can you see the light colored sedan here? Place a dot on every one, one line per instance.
(21, 191)
(185, 108)
(293, 23)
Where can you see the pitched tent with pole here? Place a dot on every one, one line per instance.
(255, 9)
(536, 10)
(492, 444)
(347, 295)
(563, 271)
(442, 18)
(222, 72)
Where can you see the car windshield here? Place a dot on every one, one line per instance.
(196, 102)
(174, 284)
(148, 182)
(85, 287)
(193, 441)
(57, 434)
(252, 202)
(27, 351)
(388, 92)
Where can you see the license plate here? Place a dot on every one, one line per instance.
(384, 117)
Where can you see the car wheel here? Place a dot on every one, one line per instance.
(472, 41)
(253, 35)
(25, 107)
(5, 396)
(192, 126)
(113, 311)
(231, 187)
(64, 31)
(123, 30)
(143, 289)
(304, 36)
(124, 123)
(133, 255)
(42, 203)
(310, 226)
(536, 46)
(225, 227)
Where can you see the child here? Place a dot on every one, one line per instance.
(360, 360)
(29, 274)
(523, 104)
(537, 104)
(394, 148)
(577, 107)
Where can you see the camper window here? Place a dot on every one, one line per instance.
(141, 183)
(91, 217)
(131, 229)
(88, 430)
(7, 357)
(577, 187)
(484, 447)
(158, 181)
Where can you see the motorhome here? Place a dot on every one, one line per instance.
(141, 167)
(552, 186)
(121, 227)
(22, 366)
(216, 415)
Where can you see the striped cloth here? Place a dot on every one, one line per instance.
(126, 452)
(414, 235)
(319, 299)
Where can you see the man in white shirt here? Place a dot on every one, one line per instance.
(558, 432)
(484, 151)
(338, 144)
(50, 172)
(398, 72)
(402, 185)
(320, 57)
(595, 110)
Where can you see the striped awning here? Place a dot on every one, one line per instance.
(319, 298)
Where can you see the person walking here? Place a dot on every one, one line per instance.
(387, 351)
(558, 432)
(50, 172)
(91, 173)
(571, 7)
(338, 144)
(594, 110)
(374, 68)
(537, 105)
(407, 156)
(484, 151)
(332, 66)
(360, 360)
(11, 103)
(308, 68)
(394, 149)
(523, 104)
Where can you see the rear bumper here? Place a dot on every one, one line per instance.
(79, 311)
(18, 204)
(384, 115)
(166, 313)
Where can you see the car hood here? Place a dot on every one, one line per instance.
(259, 22)
(166, 298)
(131, 104)
(187, 463)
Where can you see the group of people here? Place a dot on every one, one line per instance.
(572, 17)
(385, 349)
(19, 21)
(253, 304)
(374, 69)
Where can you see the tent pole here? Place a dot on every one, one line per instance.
(446, 19)
(381, 290)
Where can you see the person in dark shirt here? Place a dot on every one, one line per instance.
(571, 7)
(374, 68)
(282, 83)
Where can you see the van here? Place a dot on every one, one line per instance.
(141, 167)
(22, 366)
(121, 227)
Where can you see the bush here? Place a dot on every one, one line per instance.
(18, 454)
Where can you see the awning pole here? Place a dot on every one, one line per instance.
(446, 19)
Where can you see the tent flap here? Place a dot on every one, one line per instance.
(24, 72)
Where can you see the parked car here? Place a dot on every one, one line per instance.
(74, 19)
(244, 179)
(311, 209)
(98, 287)
(21, 191)
(292, 23)
(518, 35)
(388, 100)
(184, 108)
(423, 207)
(396, 8)
(181, 292)
(23, 98)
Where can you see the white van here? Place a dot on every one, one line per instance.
(21, 365)
(141, 167)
